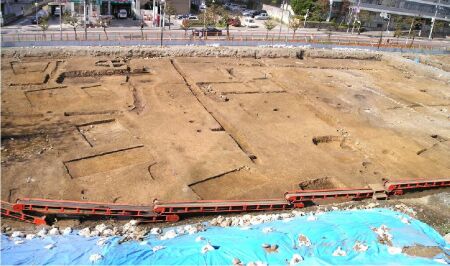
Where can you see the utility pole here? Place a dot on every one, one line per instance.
(36, 5)
(161, 22)
(84, 19)
(433, 20)
(282, 15)
(331, 10)
(306, 17)
(60, 20)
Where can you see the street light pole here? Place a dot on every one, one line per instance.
(36, 5)
(161, 23)
(433, 20)
(84, 19)
(282, 15)
(60, 20)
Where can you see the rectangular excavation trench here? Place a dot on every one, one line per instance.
(107, 161)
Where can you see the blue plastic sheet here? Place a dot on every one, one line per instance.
(328, 232)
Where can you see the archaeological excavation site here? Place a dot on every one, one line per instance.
(144, 125)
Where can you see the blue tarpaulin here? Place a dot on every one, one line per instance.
(326, 233)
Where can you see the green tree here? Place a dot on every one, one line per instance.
(300, 6)
(72, 21)
(170, 10)
(294, 24)
(320, 10)
(270, 25)
(43, 24)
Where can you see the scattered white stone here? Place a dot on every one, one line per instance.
(67, 231)
(133, 222)
(298, 213)
(296, 259)
(360, 247)
(30, 236)
(86, 232)
(190, 229)
(339, 252)
(100, 228)
(54, 231)
(383, 232)
(311, 218)
(43, 232)
(169, 234)
(17, 234)
(441, 260)
(447, 238)
(236, 261)
(394, 250)
(156, 231)
(95, 257)
(372, 205)
(156, 248)
(199, 239)
(94, 233)
(257, 263)
(50, 246)
(334, 208)
(405, 220)
(303, 241)
(266, 230)
(287, 220)
(207, 248)
(102, 241)
(18, 242)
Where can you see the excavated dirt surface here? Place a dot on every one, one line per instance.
(128, 130)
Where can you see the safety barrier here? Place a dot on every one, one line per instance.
(25, 209)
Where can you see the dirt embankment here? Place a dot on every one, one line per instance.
(190, 51)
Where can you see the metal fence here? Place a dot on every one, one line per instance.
(240, 38)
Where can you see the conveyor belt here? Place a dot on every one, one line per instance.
(415, 184)
(309, 195)
(66, 207)
(223, 206)
(7, 209)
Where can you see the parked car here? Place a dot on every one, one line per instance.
(250, 23)
(262, 16)
(248, 13)
(57, 12)
(192, 18)
(235, 22)
(122, 13)
(34, 21)
(209, 31)
(257, 12)
(184, 16)
(202, 7)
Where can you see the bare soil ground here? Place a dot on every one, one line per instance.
(129, 130)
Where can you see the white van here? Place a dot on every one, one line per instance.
(250, 23)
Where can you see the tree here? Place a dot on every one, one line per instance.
(43, 24)
(185, 25)
(300, 6)
(170, 11)
(227, 20)
(294, 24)
(72, 21)
(270, 25)
(104, 22)
(320, 10)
